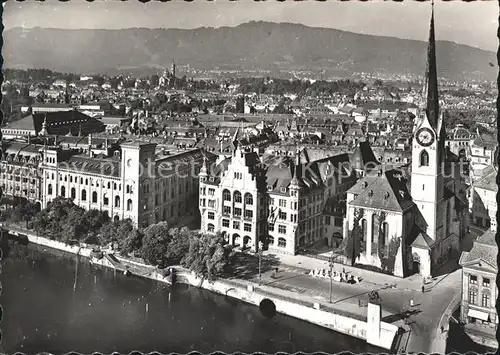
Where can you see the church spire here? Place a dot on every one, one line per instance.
(432, 108)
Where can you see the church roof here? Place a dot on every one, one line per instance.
(363, 155)
(387, 191)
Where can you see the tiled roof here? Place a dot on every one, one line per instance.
(80, 163)
(488, 179)
(484, 248)
(387, 191)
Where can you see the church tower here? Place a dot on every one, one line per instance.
(428, 151)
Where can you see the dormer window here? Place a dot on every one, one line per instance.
(283, 189)
(269, 187)
(365, 184)
(402, 193)
(370, 193)
(386, 195)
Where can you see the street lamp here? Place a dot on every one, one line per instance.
(259, 252)
(331, 276)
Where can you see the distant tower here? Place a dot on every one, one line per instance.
(43, 131)
(173, 74)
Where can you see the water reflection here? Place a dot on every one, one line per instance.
(63, 304)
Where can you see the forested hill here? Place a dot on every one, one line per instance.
(254, 45)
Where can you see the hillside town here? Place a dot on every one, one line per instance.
(394, 177)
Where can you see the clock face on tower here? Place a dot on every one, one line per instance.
(425, 137)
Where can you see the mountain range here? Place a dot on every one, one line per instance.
(253, 45)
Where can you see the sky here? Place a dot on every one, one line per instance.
(473, 24)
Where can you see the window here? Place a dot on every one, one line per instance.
(282, 242)
(271, 227)
(248, 213)
(211, 203)
(73, 193)
(84, 195)
(226, 210)
(282, 215)
(237, 196)
(117, 201)
(485, 300)
(473, 279)
(237, 212)
(338, 222)
(423, 187)
(472, 297)
(424, 158)
(211, 192)
(225, 223)
(226, 195)
(63, 191)
(105, 200)
(129, 205)
(486, 282)
(327, 220)
(271, 201)
(248, 199)
(94, 197)
(385, 234)
(211, 227)
(281, 229)
(236, 225)
(247, 227)
(364, 228)
(282, 203)
(270, 240)
(211, 215)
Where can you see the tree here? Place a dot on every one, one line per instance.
(132, 243)
(179, 243)
(117, 231)
(352, 246)
(207, 256)
(155, 244)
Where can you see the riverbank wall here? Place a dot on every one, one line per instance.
(245, 291)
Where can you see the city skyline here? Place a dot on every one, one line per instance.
(474, 24)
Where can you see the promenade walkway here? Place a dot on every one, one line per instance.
(423, 320)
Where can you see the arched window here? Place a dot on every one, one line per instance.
(237, 196)
(71, 178)
(282, 242)
(384, 238)
(129, 206)
(109, 185)
(424, 158)
(94, 197)
(63, 191)
(105, 200)
(117, 201)
(73, 193)
(211, 227)
(86, 181)
(49, 189)
(248, 199)
(375, 224)
(84, 195)
(226, 195)
(364, 229)
(270, 240)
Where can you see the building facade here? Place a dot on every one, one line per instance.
(131, 182)
(479, 290)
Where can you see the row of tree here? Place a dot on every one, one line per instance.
(158, 244)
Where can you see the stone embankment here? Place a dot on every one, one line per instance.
(286, 302)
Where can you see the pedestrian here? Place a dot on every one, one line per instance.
(423, 288)
(411, 303)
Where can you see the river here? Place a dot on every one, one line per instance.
(55, 302)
